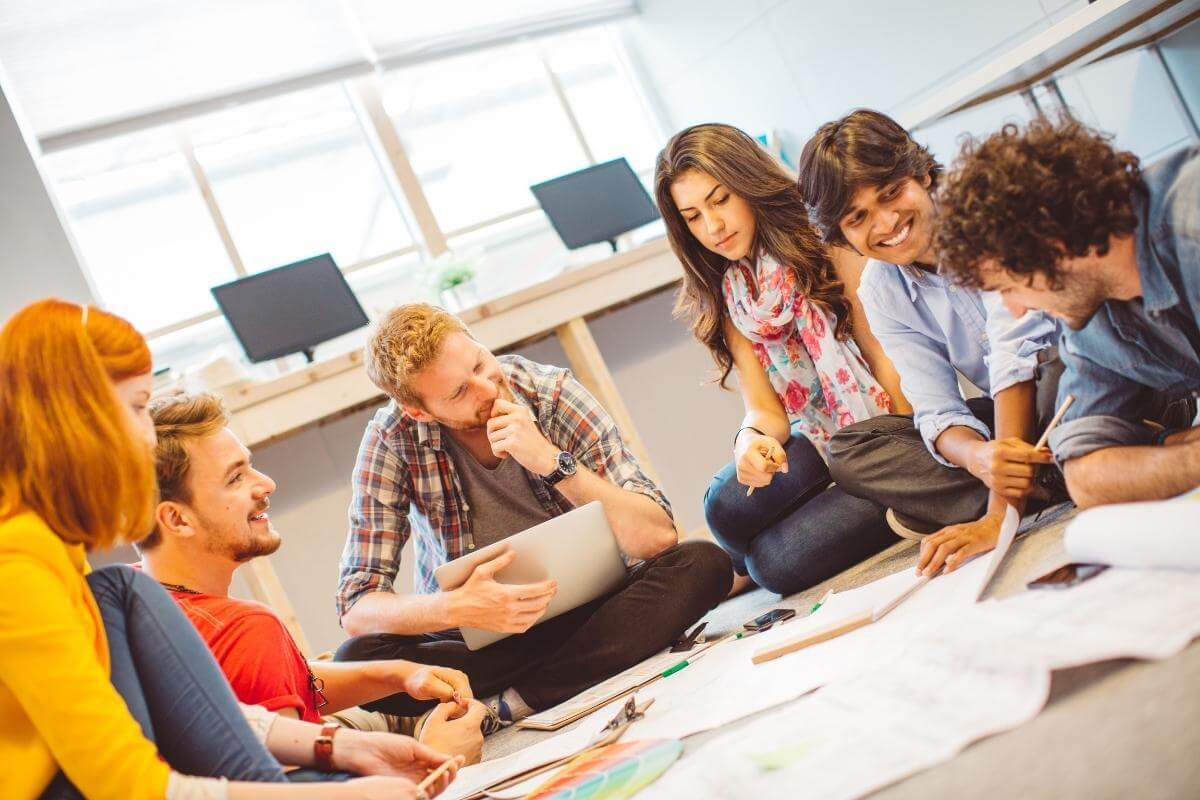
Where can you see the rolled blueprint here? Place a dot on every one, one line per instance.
(1163, 533)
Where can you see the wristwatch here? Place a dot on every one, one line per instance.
(566, 468)
(323, 748)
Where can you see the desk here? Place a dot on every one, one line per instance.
(1114, 729)
(266, 412)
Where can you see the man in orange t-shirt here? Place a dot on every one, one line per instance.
(211, 518)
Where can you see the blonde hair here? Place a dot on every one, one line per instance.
(67, 450)
(405, 342)
(179, 420)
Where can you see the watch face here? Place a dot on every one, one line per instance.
(566, 463)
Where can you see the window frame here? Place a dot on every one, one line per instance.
(386, 146)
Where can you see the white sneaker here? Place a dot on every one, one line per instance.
(901, 529)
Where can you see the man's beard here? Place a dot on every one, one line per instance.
(256, 548)
(242, 550)
(1080, 299)
(479, 422)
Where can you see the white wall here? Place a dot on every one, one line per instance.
(36, 255)
(791, 65)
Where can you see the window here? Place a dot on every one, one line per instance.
(141, 225)
(162, 215)
(480, 129)
(615, 119)
(294, 177)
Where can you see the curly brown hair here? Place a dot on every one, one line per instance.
(1029, 197)
(781, 223)
(863, 148)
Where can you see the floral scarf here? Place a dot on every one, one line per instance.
(823, 383)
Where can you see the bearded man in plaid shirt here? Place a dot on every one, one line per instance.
(472, 449)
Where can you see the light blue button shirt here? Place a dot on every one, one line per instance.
(1136, 354)
(930, 328)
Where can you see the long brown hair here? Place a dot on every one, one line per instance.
(67, 452)
(781, 227)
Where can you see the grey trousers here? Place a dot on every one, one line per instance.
(884, 459)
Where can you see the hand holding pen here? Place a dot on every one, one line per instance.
(757, 458)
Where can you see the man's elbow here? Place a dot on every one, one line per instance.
(663, 537)
(1081, 485)
(354, 622)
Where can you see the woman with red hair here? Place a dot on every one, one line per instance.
(106, 690)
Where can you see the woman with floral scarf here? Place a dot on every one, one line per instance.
(768, 300)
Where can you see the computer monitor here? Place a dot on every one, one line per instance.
(596, 204)
(290, 309)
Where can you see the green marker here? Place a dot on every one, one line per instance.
(672, 670)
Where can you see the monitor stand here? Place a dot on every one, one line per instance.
(308, 354)
(613, 244)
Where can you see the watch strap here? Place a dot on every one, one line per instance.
(558, 474)
(323, 748)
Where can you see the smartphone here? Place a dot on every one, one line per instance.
(1066, 576)
(768, 619)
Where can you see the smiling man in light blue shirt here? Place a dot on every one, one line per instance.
(955, 466)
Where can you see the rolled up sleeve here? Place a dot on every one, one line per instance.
(1016, 343)
(927, 377)
(1087, 434)
(379, 525)
(1107, 410)
(592, 435)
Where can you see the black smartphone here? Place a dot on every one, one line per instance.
(768, 619)
(1066, 576)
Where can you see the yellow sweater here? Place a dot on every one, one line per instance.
(58, 709)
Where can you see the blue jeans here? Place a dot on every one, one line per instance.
(172, 685)
(799, 530)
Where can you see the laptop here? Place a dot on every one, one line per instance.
(577, 549)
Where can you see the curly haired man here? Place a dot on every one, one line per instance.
(1055, 218)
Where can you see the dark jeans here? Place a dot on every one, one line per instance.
(798, 530)
(171, 684)
(884, 459)
(559, 658)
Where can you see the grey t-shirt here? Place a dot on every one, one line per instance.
(501, 499)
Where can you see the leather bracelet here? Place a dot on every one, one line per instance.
(746, 428)
(323, 748)
(1161, 438)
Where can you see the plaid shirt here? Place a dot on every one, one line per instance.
(405, 481)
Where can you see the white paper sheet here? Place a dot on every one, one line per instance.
(726, 685)
(602, 694)
(1149, 614)
(1008, 532)
(966, 672)
(862, 733)
(1158, 534)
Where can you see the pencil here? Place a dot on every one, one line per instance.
(437, 773)
(1058, 415)
(815, 637)
(750, 490)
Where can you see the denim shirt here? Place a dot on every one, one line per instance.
(929, 328)
(1134, 354)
